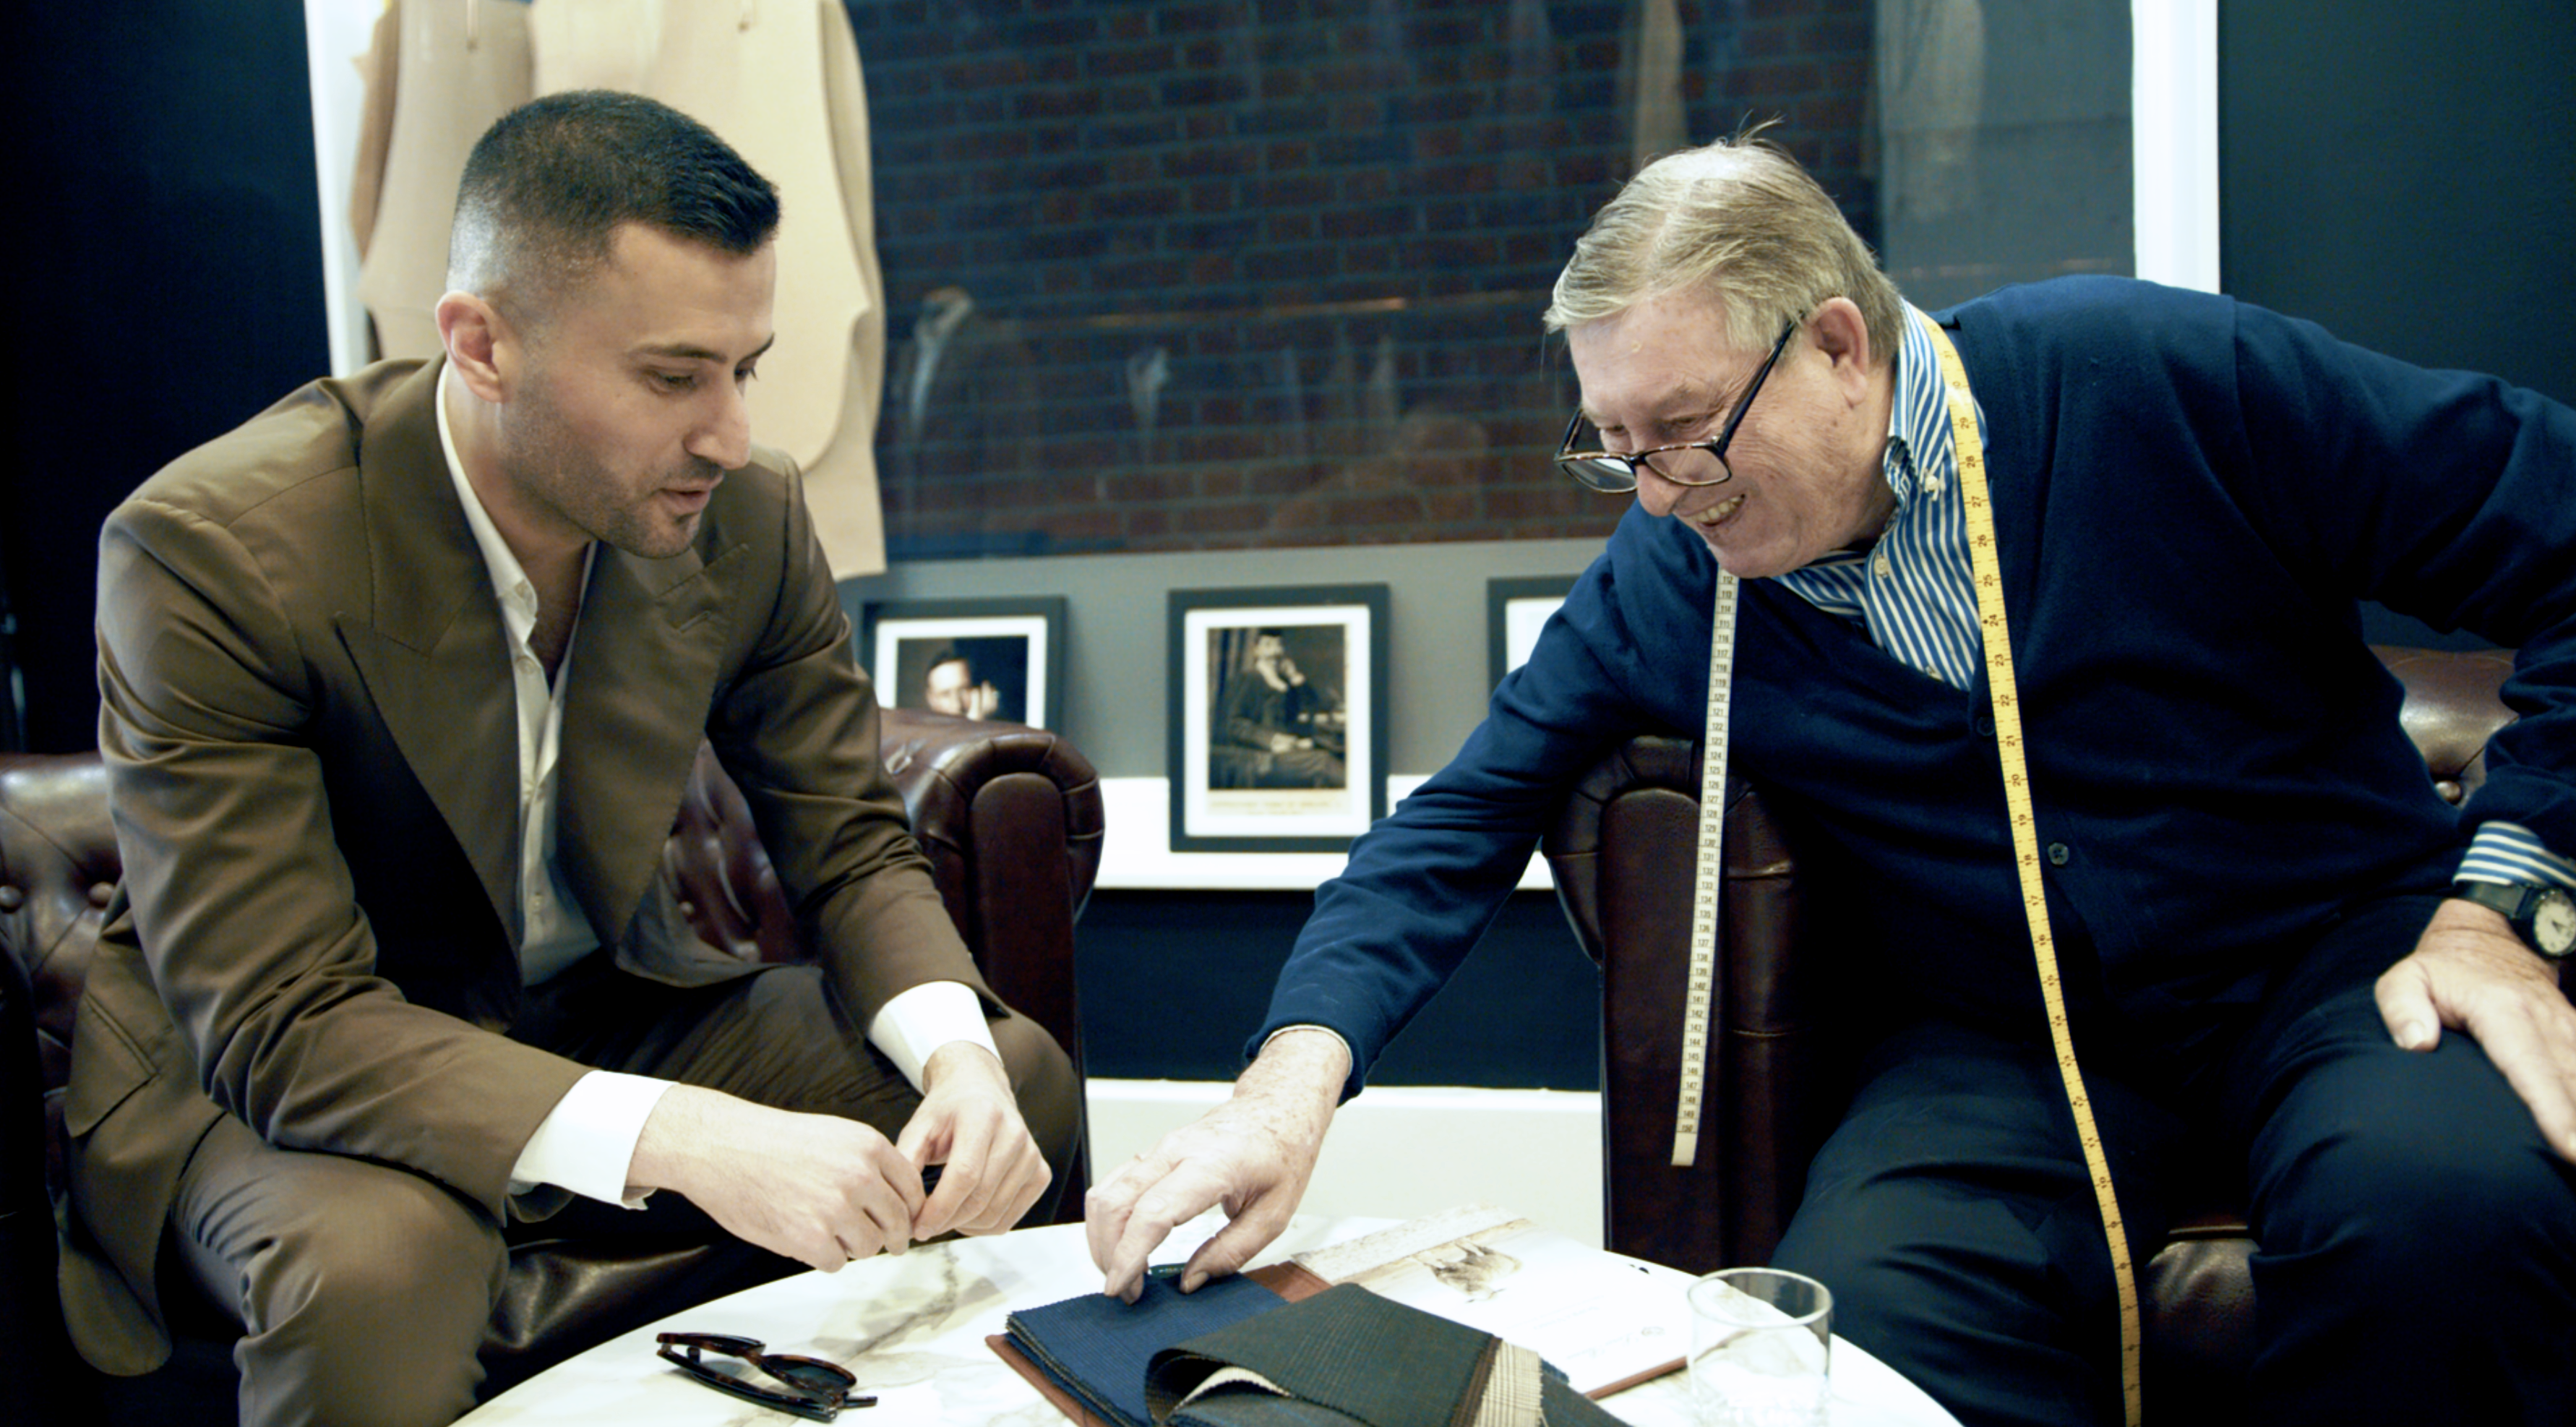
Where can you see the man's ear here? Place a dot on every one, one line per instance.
(480, 345)
(1840, 332)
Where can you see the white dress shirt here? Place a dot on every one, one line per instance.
(586, 1143)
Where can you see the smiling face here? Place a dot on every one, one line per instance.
(1807, 456)
(624, 402)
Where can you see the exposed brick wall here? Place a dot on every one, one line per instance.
(1267, 272)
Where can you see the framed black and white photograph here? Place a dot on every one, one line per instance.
(1278, 717)
(999, 659)
(1515, 610)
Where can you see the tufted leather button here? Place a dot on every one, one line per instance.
(11, 899)
(99, 892)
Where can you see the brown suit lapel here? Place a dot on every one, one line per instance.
(435, 657)
(431, 647)
(644, 663)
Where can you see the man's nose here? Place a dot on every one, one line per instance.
(1656, 495)
(724, 437)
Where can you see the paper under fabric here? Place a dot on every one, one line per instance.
(1349, 1358)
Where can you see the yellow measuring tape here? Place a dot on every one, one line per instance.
(2009, 746)
(2025, 836)
(1708, 870)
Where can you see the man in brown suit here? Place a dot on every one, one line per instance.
(401, 684)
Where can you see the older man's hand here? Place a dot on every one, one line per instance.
(2470, 973)
(1253, 1155)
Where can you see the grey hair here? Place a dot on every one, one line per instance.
(1741, 220)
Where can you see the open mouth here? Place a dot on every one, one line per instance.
(1720, 513)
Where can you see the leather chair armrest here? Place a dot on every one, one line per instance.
(1619, 852)
(2452, 708)
(1010, 818)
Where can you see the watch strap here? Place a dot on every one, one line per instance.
(2516, 902)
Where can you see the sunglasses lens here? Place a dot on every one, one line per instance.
(810, 1375)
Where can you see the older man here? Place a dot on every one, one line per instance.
(2268, 925)
(402, 684)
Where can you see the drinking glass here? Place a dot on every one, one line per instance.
(1758, 1347)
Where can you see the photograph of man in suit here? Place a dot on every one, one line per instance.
(402, 683)
(1275, 728)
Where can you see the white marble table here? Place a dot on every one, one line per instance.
(912, 1329)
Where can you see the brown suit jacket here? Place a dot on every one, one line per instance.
(312, 755)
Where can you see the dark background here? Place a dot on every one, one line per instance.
(2398, 172)
(168, 283)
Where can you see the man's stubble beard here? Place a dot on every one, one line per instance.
(549, 463)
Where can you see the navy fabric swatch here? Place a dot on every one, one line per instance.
(1096, 1347)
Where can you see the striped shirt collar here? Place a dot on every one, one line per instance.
(1912, 588)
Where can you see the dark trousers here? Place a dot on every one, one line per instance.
(364, 1291)
(2418, 1239)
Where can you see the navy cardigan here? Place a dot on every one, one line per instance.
(2191, 494)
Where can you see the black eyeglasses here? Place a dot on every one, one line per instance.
(1616, 474)
(815, 1390)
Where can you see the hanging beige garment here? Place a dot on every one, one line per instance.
(751, 70)
(841, 484)
(461, 65)
(375, 122)
(1931, 104)
(1660, 126)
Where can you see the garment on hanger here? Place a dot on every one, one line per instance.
(457, 68)
(777, 79)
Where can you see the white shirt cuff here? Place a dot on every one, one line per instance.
(921, 1020)
(586, 1143)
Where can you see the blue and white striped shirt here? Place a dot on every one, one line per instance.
(1915, 593)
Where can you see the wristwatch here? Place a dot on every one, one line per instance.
(2543, 916)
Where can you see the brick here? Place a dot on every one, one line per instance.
(1221, 165)
(1122, 60)
(1207, 519)
(1346, 224)
(1188, 90)
(1209, 160)
(1062, 103)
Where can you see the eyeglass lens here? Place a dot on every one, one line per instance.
(1688, 463)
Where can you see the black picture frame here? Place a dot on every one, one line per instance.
(1012, 650)
(1515, 607)
(1260, 767)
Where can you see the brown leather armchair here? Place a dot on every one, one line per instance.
(1620, 852)
(1010, 818)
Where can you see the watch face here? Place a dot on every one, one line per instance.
(2553, 923)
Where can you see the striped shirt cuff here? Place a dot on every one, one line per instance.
(2508, 852)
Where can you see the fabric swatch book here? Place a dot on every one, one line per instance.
(1089, 1354)
(1547, 1312)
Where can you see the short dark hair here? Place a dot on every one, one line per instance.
(547, 187)
(948, 654)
